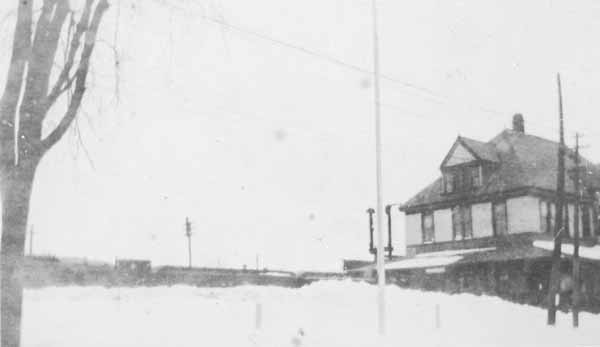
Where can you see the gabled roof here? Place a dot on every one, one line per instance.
(523, 162)
(479, 150)
(482, 150)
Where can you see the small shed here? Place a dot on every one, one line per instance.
(133, 267)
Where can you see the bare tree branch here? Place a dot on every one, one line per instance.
(80, 78)
(14, 81)
(43, 53)
(63, 77)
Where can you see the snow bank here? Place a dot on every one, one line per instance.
(329, 313)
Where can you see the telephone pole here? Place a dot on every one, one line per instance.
(558, 228)
(188, 234)
(576, 262)
(380, 219)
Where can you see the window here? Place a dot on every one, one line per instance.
(499, 218)
(475, 176)
(585, 221)
(462, 178)
(547, 216)
(449, 182)
(462, 225)
(544, 216)
(552, 217)
(428, 227)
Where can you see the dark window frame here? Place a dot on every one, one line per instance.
(462, 177)
(461, 212)
(550, 218)
(586, 225)
(495, 217)
(424, 233)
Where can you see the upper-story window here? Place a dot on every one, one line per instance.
(460, 179)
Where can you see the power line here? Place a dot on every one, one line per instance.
(426, 92)
(339, 62)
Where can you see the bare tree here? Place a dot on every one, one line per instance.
(29, 94)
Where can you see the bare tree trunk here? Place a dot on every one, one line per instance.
(16, 194)
(21, 142)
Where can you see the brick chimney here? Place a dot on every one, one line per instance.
(518, 123)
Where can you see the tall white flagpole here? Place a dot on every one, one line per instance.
(380, 219)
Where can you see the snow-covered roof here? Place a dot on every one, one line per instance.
(433, 259)
(429, 260)
(423, 262)
(584, 252)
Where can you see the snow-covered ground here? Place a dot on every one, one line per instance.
(330, 313)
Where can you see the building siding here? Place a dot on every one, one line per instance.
(482, 220)
(523, 214)
(413, 229)
(443, 225)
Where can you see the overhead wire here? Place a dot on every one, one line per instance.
(427, 93)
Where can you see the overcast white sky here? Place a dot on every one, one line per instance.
(269, 149)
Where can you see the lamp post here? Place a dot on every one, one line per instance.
(372, 249)
(389, 249)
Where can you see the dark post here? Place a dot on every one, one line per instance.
(389, 248)
(188, 234)
(576, 262)
(372, 249)
(558, 228)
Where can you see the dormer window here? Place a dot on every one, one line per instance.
(467, 164)
(462, 178)
(476, 178)
(449, 182)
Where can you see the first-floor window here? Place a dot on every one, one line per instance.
(462, 226)
(585, 221)
(547, 216)
(428, 227)
(500, 218)
(552, 219)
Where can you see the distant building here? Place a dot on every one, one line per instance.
(505, 186)
(479, 226)
(133, 267)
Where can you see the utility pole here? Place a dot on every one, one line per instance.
(378, 152)
(576, 262)
(188, 234)
(558, 228)
(31, 241)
